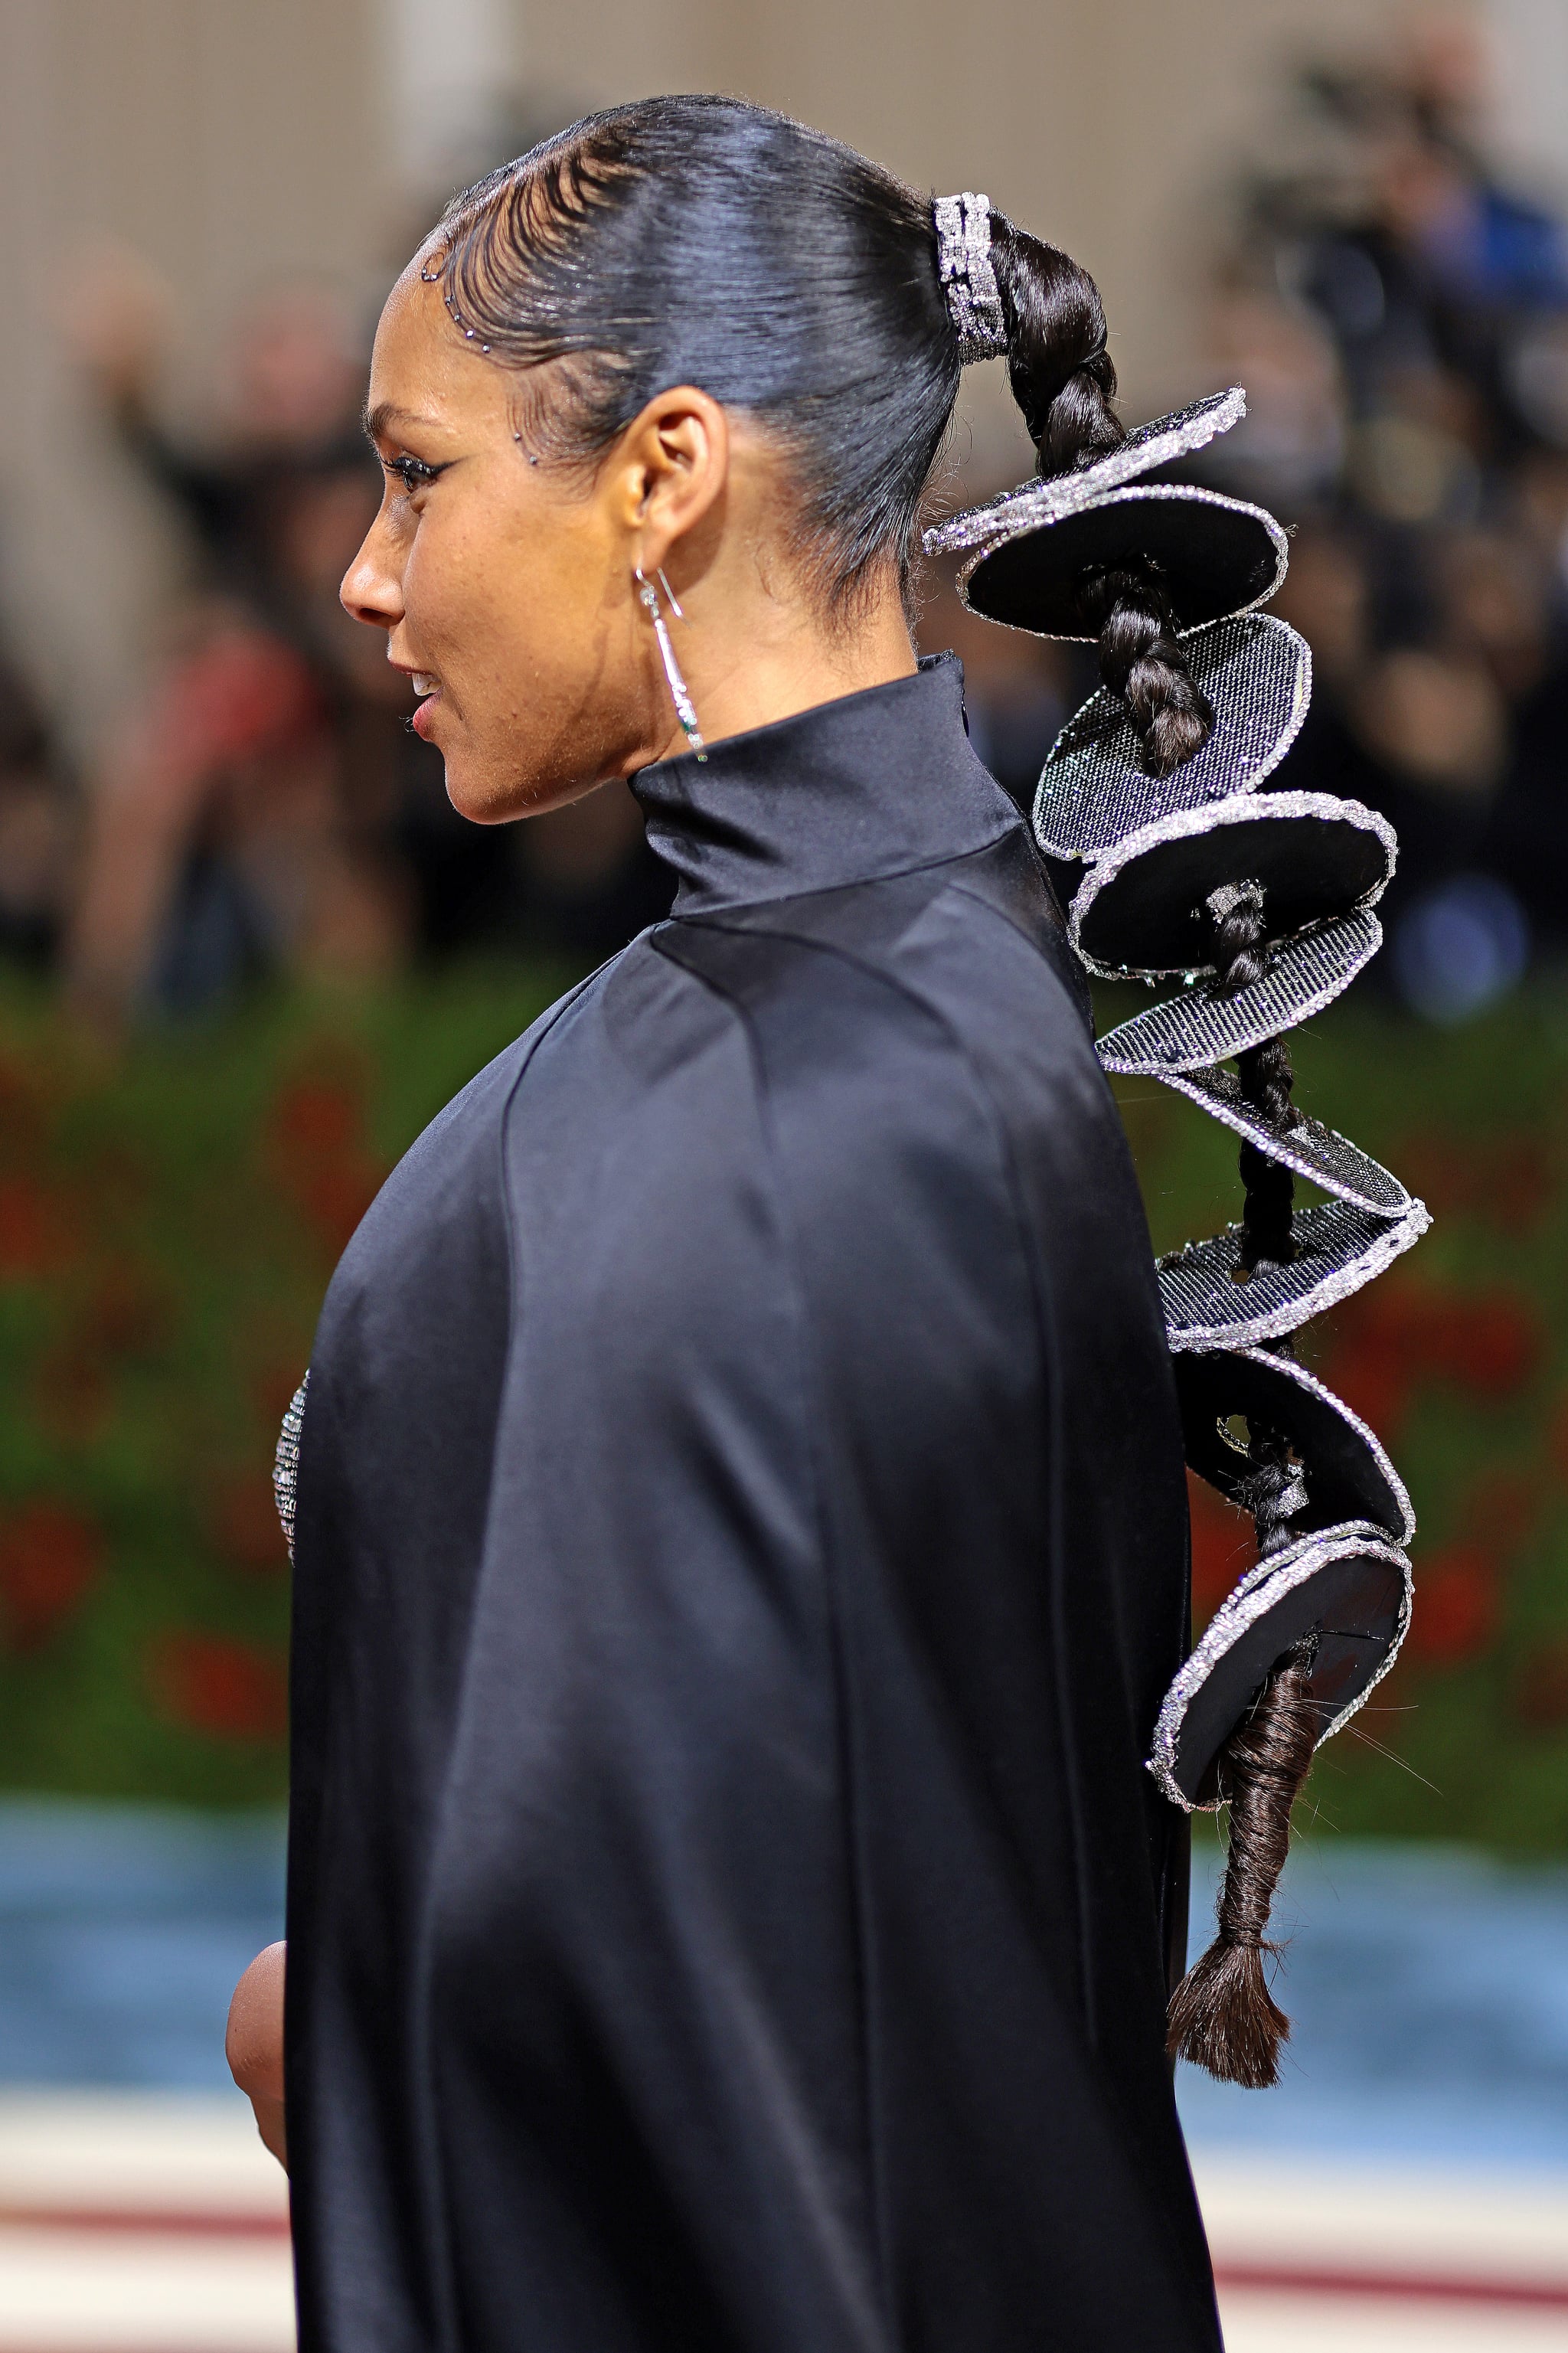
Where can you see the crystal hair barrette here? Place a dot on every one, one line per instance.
(968, 279)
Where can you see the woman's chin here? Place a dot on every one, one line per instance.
(482, 798)
(486, 796)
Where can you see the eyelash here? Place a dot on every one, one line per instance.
(413, 473)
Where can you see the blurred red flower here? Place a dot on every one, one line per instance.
(72, 1391)
(1395, 1336)
(273, 1391)
(49, 1556)
(335, 1199)
(1557, 1438)
(1490, 1345)
(1502, 1508)
(128, 1314)
(1540, 1695)
(315, 1142)
(313, 1118)
(1224, 1547)
(34, 1233)
(1506, 1181)
(22, 1103)
(1458, 1604)
(233, 1691)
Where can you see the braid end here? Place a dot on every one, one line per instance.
(1223, 2017)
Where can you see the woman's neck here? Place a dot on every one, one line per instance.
(751, 661)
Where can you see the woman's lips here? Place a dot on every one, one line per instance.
(429, 692)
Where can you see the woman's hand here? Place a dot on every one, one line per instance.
(254, 2045)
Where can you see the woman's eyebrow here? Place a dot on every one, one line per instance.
(386, 414)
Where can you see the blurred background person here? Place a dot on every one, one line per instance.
(261, 808)
(1395, 304)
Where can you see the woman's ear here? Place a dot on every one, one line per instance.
(669, 472)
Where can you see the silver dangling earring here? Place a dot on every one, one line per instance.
(685, 709)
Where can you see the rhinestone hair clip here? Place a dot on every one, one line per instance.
(968, 279)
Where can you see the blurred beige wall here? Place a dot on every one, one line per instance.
(232, 141)
(1111, 126)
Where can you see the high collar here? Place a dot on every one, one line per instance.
(874, 784)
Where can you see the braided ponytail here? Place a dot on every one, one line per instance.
(1064, 382)
(1266, 1079)
(1223, 2016)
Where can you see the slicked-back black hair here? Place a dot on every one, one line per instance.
(702, 240)
(698, 240)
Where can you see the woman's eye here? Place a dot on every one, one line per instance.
(412, 473)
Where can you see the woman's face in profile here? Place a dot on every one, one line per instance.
(499, 579)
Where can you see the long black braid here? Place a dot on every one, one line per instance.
(1265, 1077)
(1062, 380)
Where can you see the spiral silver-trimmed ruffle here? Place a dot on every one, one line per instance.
(1351, 1478)
(1320, 1154)
(1033, 505)
(1163, 859)
(1219, 557)
(1189, 1033)
(1349, 1586)
(1210, 1301)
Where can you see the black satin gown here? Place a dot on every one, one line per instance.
(741, 1550)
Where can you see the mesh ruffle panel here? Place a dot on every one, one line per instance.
(1211, 1303)
(1205, 1027)
(1257, 675)
(1320, 1154)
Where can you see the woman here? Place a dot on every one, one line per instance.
(740, 1525)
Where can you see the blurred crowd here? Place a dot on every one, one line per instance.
(1398, 313)
(260, 807)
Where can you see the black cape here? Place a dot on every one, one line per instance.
(741, 1550)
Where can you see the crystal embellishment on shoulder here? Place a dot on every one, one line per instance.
(286, 1463)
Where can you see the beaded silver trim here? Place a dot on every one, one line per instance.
(1241, 808)
(1094, 789)
(1288, 1368)
(1148, 491)
(1317, 1153)
(1189, 1033)
(1341, 1248)
(1033, 504)
(286, 1463)
(1258, 1592)
(968, 277)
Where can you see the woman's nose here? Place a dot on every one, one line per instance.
(372, 591)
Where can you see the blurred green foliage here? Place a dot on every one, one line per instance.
(170, 1213)
(171, 1210)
